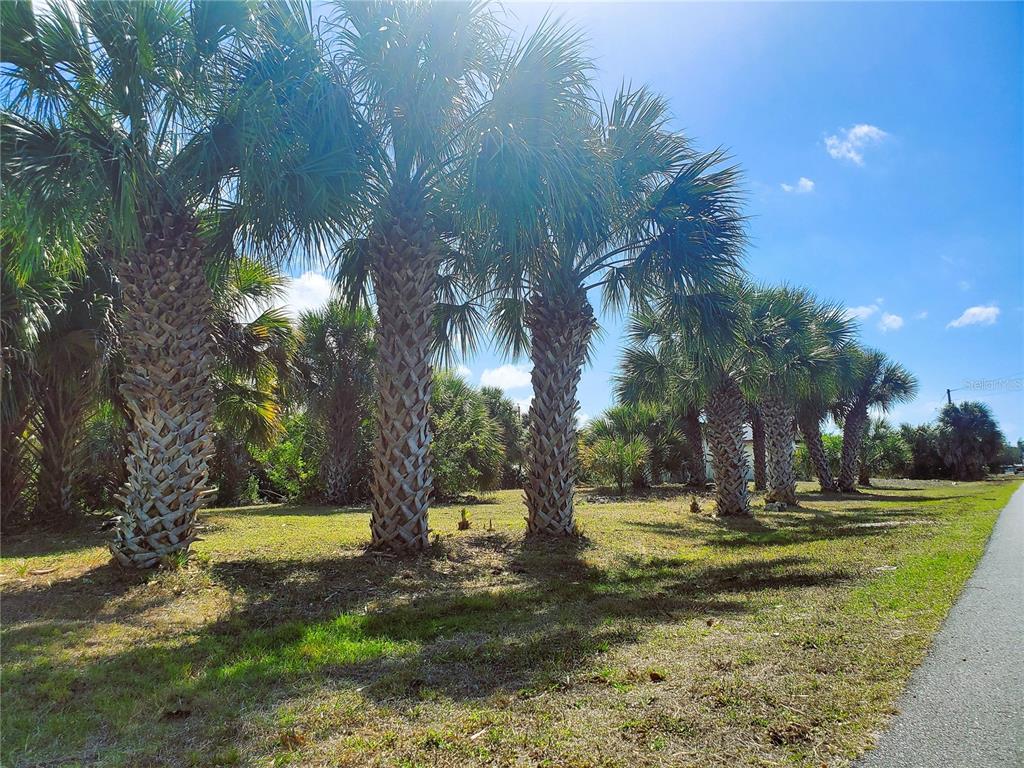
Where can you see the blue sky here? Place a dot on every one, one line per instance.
(882, 148)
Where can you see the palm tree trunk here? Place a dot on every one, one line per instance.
(778, 429)
(560, 330)
(15, 464)
(853, 433)
(404, 259)
(169, 356)
(810, 427)
(863, 476)
(339, 458)
(757, 432)
(61, 410)
(695, 442)
(726, 412)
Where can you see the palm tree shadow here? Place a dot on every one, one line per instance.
(476, 617)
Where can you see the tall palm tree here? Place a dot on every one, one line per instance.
(701, 352)
(418, 71)
(878, 383)
(576, 201)
(815, 402)
(969, 439)
(140, 116)
(794, 339)
(337, 371)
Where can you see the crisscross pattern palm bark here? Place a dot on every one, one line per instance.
(405, 259)
(560, 331)
(778, 432)
(726, 411)
(168, 351)
(339, 459)
(811, 430)
(853, 432)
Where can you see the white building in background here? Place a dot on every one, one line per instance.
(748, 446)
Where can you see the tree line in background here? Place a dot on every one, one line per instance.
(162, 160)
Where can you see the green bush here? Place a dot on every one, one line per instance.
(467, 447)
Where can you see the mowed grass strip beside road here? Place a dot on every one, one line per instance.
(668, 638)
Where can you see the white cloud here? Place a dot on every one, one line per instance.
(889, 322)
(849, 143)
(976, 316)
(802, 187)
(308, 291)
(862, 312)
(921, 315)
(507, 377)
(463, 372)
(582, 417)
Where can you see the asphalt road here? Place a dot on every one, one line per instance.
(964, 707)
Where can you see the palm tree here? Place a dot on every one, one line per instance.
(703, 353)
(575, 201)
(70, 366)
(793, 339)
(418, 71)
(141, 116)
(969, 439)
(814, 404)
(256, 349)
(758, 441)
(877, 383)
(336, 364)
(655, 425)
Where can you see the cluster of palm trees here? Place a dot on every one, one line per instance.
(459, 177)
(776, 358)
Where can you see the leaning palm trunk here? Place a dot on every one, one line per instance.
(404, 257)
(560, 331)
(853, 433)
(726, 411)
(339, 458)
(695, 442)
(169, 355)
(757, 433)
(778, 431)
(810, 427)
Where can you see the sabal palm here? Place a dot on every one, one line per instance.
(256, 347)
(336, 362)
(969, 438)
(27, 291)
(792, 339)
(656, 424)
(700, 350)
(418, 71)
(140, 115)
(576, 200)
(815, 402)
(879, 383)
(70, 365)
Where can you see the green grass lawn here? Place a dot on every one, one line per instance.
(667, 638)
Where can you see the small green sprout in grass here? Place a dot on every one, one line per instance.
(464, 522)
